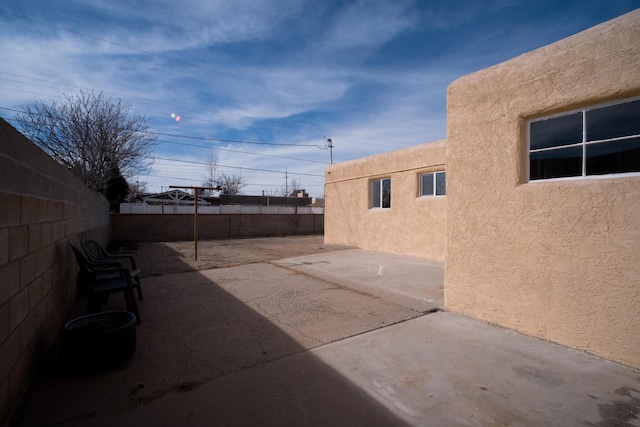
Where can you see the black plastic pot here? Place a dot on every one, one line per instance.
(98, 341)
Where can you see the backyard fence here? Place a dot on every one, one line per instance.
(178, 227)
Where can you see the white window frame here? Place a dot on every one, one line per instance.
(584, 143)
(435, 184)
(380, 194)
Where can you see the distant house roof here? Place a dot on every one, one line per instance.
(317, 202)
(172, 197)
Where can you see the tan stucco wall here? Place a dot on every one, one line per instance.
(557, 259)
(413, 225)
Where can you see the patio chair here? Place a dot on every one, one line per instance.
(101, 280)
(99, 255)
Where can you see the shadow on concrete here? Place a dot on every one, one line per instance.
(207, 356)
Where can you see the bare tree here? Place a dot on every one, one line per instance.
(210, 179)
(292, 184)
(91, 135)
(136, 189)
(230, 184)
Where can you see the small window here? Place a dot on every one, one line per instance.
(381, 193)
(599, 140)
(433, 184)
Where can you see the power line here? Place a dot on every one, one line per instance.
(253, 185)
(234, 167)
(219, 149)
(186, 108)
(196, 137)
(240, 152)
(201, 138)
(221, 166)
(213, 70)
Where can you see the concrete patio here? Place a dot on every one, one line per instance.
(342, 338)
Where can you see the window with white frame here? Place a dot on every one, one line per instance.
(600, 140)
(433, 184)
(381, 193)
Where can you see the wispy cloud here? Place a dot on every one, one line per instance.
(371, 75)
(366, 25)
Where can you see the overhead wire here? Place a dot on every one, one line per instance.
(217, 165)
(202, 138)
(213, 70)
(189, 108)
(236, 167)
(221, 73)
(241, 152)
(224, 166)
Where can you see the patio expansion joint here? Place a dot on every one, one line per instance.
(426, 313)
(352, 289)
(316, 347)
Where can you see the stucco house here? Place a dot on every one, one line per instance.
(533, 200)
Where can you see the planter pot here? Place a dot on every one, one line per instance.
(98, 341)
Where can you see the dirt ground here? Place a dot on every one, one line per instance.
(157, 259)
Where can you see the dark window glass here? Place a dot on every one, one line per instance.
(560, 163)
(614, 157)
(563, 130)
(386, 193)
(427, 184)
(441, 184)
(375, 194)
(614, 121)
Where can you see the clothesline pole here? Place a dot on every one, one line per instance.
(195, 216)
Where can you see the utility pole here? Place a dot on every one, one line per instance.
(330, 147)
(195, 215)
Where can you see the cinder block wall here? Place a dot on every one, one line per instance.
(43, 207)
(177, 227)
(557, 259)
(413, 225)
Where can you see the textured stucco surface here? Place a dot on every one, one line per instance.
(555, 259)
(412, 226)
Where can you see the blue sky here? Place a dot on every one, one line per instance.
(282, 74)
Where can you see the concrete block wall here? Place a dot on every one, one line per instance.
(143, 208)
(43, 208)
(176, 227)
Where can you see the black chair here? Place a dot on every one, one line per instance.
(99, 255)
(101, 280)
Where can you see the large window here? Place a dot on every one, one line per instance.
(381, 193)
(433, 184)
(598, 140)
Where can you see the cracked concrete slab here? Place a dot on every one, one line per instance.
(438, 369)
(203, 325)
(310, 310)
(335, 339)
(446, 369)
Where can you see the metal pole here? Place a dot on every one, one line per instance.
(195, 223)
(195, 216)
